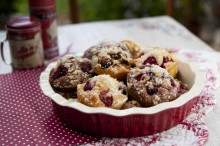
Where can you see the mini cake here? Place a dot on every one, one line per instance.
(102, 91)
(89, 53)
(69, 72)
(112, 61)
(158, 56)
(133, 47)
(131, 104)
(150, 85)
(70, 95)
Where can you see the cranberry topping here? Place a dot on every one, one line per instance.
(138, 77)
(116, 56)
(165, 60)
(105, 64)
(107, 100)
(61, 71)
(88, 86)
(150, 60)
(172, 83)
(86, 67)
(152, 91)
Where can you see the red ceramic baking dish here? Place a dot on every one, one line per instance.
(131, 122)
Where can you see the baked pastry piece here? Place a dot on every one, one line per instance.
(112, 61)
(102, 91)
(70, 95)
(69, 72)
(131, 104)
(89, 53)
(150, 85)
(158, 56)
(133, 47)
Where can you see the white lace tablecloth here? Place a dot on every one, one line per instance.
(162, 32)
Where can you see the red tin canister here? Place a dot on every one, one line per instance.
(24, 36)
(45, 10)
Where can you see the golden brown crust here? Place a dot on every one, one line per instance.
(172, 68)
(131, 104)
(112, 61)
(117, 71)
(133, 47)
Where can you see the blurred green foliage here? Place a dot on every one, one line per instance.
(91, 10)
(6, 7)
(20, 7)
(189, 8)
(11, 8)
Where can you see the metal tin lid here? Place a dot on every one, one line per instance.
(23, 23)
(41, 3)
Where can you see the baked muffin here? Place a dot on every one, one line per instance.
(89, 53)
(112, 61)
(158, 56)
(131, 104)
(70, 95)
(150, 85)
(183, 88)
(133, 47)
(102, 91)
(69, 72)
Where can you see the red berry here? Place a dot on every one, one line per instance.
(86, 67)
(61, 71)
(166, 59)
(150, 60)
(107, 100)
(88, 86)
(138, 77)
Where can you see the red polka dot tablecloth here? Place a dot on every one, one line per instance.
(27, 117)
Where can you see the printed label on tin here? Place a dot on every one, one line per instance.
(20, 38)
(49, 33)
(27, 53)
